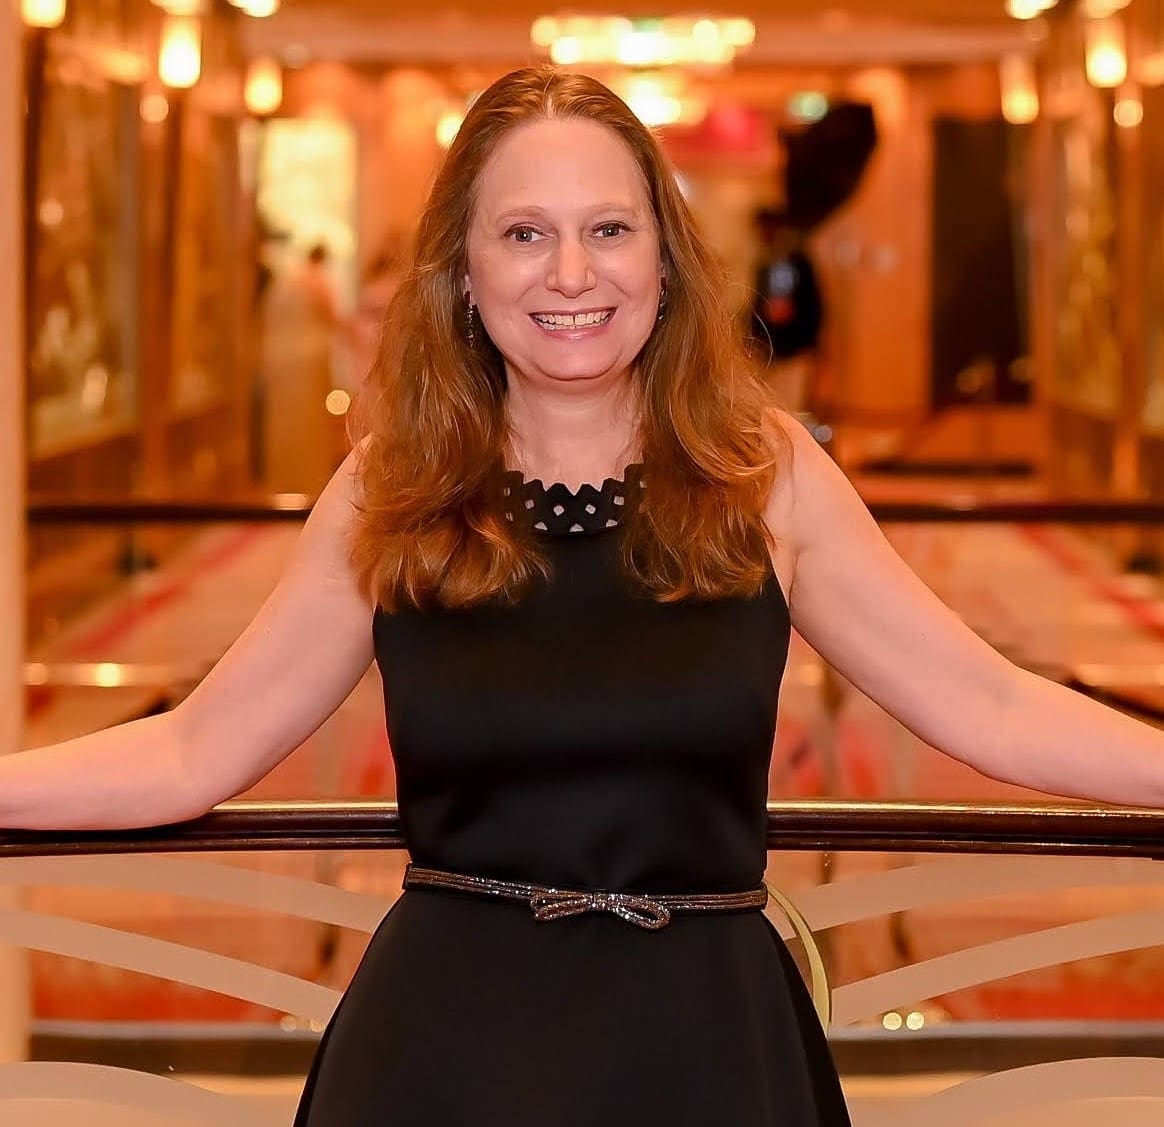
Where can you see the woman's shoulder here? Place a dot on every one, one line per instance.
(803, 469)
(339, 501)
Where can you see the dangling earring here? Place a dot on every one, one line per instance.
(470, 318)
(661, 315)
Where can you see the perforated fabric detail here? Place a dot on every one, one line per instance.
(557, 510)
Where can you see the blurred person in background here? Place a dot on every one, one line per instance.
(787, 309)
(378, 287)
(302, 328)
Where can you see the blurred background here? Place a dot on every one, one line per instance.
(944, 231)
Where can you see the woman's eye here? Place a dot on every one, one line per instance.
(521, 234)
(611, 230)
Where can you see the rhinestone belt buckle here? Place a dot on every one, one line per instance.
(554, 904)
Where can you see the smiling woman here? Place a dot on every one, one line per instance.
(568, 289)
(567, 444)
(557, 266)
(554, 541)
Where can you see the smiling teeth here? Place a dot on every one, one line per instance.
(575, 321)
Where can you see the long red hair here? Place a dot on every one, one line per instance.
(431, 525)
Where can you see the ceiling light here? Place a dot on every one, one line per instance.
(43, 13)
(1020, 94)
(1028, 9)
(647, 42)
(1107, 57)
(257, 8)
(263, 91)
(180, 54)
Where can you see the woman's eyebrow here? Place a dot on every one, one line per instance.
(536, 210)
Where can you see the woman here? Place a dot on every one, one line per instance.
(302, 325)
(581, 678)
(378, 287)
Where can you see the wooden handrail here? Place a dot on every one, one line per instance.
(295, 506)
(276, 507)
(813, 824)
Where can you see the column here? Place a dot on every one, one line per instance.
(13, 979)
(1130, 281)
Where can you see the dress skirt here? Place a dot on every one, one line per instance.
(466, 1011)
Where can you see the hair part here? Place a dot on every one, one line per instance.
(431, 525)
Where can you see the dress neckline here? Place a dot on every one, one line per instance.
(558, 510)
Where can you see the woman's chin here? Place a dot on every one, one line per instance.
(580, 368)
(582, 375)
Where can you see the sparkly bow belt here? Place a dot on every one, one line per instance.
(546, 903)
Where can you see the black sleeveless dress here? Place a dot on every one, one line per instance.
(588, 737)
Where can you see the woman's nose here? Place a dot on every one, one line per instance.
(570, 272)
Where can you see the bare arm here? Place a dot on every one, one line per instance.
(868, 615)
(289, 670)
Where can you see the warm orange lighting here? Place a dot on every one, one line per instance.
(566, 50)
(660, 98)
(182, 7)
(647, 42)
(263, 92)
(1098, 9)
(544, 31)
(1150, 69)
(447, 126)
(739, 32)
(154, 109)
(1026, 9)
(43, 13)
(50, 213)
(1020, 95)
(338, 402)
(652, 102)
(180, 55)
(108, 674)
(1107, 56)
(123, 65)
(1128, 112)
(257, 8)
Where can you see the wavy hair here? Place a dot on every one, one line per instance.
(431, 526)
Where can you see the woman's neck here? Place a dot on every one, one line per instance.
(572, 435)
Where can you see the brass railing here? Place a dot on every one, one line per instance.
(809, 824)
(960, 509)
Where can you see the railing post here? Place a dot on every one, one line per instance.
(13, 964)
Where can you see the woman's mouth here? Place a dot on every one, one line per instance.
(565, 322)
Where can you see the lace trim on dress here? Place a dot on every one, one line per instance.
(557, 510)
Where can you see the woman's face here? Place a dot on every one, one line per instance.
(564, 262)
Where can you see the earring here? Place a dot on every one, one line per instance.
(662, 313)
(470, 318)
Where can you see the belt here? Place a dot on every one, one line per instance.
(550, 903)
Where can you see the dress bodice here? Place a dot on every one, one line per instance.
(589, 735)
